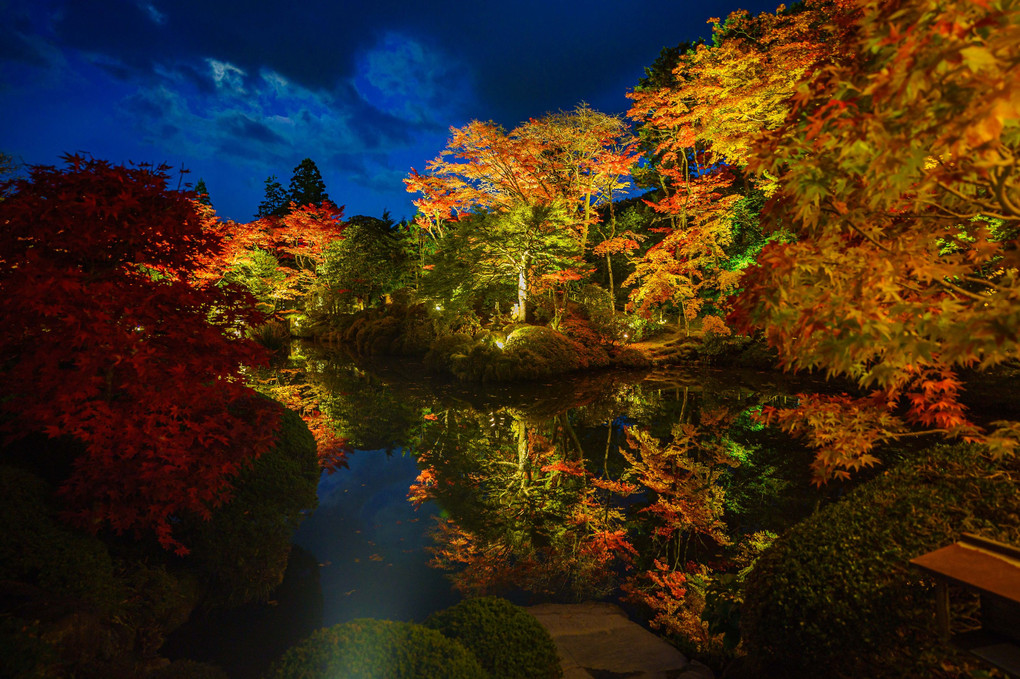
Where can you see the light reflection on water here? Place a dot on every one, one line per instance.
(370, 543)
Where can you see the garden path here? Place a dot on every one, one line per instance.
(598, 641)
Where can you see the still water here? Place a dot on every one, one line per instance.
(590, 487)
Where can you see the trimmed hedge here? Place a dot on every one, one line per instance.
(377, 649)
(837, 594)
(508, 641)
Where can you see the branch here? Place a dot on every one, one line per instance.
(960, 291)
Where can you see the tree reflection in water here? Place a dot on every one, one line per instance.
(659, 488)
(660, 496)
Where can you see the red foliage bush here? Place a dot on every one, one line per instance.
(108, 338)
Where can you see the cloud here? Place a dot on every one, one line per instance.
(154, 14)
(400, 76)
(226, 75)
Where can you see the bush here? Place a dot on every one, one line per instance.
(396, 329)
(439, 358)
(539, 352)
(530, 352)
(377, 649)
(837, 592)
(274, 335)
(39, 549)
(508, 642)
(243, 550)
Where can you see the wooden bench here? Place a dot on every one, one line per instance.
(992, 570)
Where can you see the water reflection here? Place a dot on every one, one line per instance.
(652, 487)
(370, 543)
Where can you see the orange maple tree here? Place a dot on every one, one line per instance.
(546, 178)
(294, 243)
(898, 172)
(111, 340)
(700, 128)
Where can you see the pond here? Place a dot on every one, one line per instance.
(599, 486)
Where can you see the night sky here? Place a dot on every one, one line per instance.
(236, 91)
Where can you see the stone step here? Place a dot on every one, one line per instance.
(598, 641)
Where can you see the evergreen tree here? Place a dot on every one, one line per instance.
(275, 202)
(306, 186)
(202, 193)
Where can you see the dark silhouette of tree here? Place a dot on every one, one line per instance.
(274, 204)
(202, 193)
(306, 185)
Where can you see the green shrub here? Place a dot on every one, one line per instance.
(530, 352)
(377, 649)
(243, 550)
(274, 335)
(540, 352)
(628, 357)
(439, 358)
(508, 642)
(837, 591)
(39, 549)
(597, 303)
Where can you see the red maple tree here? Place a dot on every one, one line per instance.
(111, 339)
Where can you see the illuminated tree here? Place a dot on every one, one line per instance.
(566, 165)
(897, 170)
(699, 124)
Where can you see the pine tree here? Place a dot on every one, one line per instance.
(275, 202)
(306, 186)
(202, 193)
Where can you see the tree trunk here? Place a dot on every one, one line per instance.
(522, 290)
(612, 288)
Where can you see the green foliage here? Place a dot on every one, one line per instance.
(377, 649)
(274, 335)
(202, 193)
(837, 590)
(544, 347)
(361, 268)
(508, 642)
(396, 329)
(260, 273)
(243, 550)
(39, 549)
(439, 358)
(597, 304)
(79, 608)
(738, 351)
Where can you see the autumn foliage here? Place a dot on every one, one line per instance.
(898, 174)
(111, 338)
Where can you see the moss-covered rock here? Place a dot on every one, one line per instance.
(377, 649)
(508, 641)
(837, 591)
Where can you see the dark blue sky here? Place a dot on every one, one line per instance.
(238, 90)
